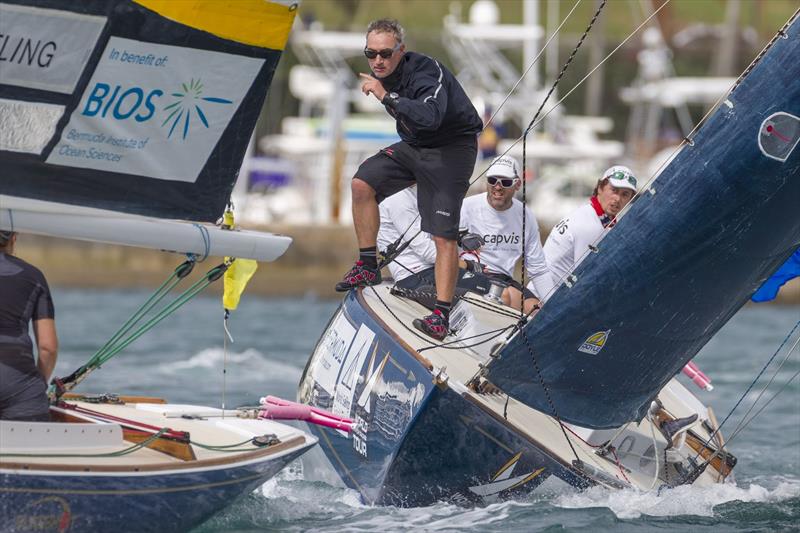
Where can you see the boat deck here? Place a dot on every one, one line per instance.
(461, 361)
(96, 436)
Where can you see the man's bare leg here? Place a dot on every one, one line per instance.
(366, 220)
(366, 217)
(446, 268)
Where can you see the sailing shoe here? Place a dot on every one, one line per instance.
(358, 276)
(433, 325)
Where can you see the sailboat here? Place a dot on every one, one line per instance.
(125, 122)
(583, 393)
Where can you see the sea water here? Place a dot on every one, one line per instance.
(183, 358)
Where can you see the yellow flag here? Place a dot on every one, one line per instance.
(236, 278)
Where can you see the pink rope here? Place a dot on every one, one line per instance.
(274, 408)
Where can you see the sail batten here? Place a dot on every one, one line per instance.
(678, 265)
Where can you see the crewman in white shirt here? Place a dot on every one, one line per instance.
(399, 216)
(497, 217)
(569, 241)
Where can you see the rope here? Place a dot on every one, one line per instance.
(495, 333)
(525, 144)
(524, 218)
(116, 344)
(226, 447)
(610, 447)
(225, 337)
(655, 451)
(446, 345)
(206, 240)
(549, 398)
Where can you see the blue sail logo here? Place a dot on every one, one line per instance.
(595, 342)
(189, 103)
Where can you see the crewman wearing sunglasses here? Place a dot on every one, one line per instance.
(570, 240)
(438, 126)
(497, 216)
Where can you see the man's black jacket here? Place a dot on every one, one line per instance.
(433, 109)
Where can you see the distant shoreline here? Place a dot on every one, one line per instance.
(311, 266)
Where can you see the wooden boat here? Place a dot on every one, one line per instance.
(135, 464)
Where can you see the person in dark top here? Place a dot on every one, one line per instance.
(24, 297)
(438, 126)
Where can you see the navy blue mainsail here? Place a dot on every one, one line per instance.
(690, 251)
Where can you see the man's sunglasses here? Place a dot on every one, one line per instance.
(506, 183)
(386, 53)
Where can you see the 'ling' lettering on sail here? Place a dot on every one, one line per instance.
(26, 50)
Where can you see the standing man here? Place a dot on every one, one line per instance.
(438, 126)
(497, 217)
(24, 298)
(570, 239)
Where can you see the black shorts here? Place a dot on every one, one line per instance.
(442, 176)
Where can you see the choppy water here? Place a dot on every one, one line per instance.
(182, 360)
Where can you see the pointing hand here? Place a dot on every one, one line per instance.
(372, 85)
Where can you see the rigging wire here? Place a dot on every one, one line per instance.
(752, 384)
(697, 470)
(525, 144)
(532, 64)
(445, 345)
(689, 139)
(761, 409)
(744, 419)
(542, 382)
(555, 106)
(124, 336)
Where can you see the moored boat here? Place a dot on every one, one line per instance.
(110, 463)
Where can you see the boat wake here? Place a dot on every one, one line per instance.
(289, 500)
(683, 500)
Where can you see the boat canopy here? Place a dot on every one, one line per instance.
(143, 107)
(687, 254)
